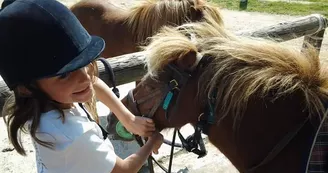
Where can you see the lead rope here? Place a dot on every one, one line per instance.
(110, 71)
(111, 75)
(151, 158)
(172, 150)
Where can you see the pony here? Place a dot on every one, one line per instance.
(259, 102)
(124, 30)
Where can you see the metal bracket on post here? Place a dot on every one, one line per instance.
(316, 38)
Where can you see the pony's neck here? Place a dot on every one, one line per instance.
(261, 129)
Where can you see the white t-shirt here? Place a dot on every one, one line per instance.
(78, 144)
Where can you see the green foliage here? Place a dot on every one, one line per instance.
(279, 7)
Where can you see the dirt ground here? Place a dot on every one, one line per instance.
(11, 162)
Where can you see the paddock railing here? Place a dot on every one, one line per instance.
(130, 67)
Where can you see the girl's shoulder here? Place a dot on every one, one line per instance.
(54, 128)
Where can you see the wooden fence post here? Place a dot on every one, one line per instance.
(315, 40)
(243, 4)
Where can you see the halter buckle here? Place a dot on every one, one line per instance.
(174, 85)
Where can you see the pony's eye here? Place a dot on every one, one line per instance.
(63, 76)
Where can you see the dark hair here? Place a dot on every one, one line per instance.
(21, 107)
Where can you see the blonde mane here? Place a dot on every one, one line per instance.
(148, 16)
(242, 68)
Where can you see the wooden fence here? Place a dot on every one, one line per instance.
(130, 67)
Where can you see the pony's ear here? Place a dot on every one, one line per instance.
(188, 61)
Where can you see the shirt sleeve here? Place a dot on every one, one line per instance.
(90, 153)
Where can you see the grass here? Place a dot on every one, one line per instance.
(324, 1)
(320, 6)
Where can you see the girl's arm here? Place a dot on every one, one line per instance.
(137, 125)
(134, 162)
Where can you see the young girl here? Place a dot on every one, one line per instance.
(48, 60)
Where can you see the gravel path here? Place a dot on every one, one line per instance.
(11, 162)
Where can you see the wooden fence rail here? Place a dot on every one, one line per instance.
(130, 67)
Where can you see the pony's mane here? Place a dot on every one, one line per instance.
(242, 67)
(147, 16)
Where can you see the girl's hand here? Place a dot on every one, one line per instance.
(157, 140)
(138, 125)
(141, 126)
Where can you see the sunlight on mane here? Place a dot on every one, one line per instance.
(148, 16)
(242, 67)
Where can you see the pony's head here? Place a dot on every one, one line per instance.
(148, 16)
(211, 62)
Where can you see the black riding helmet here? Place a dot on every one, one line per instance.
(42, 38)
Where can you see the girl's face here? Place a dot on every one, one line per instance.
(72, 87)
